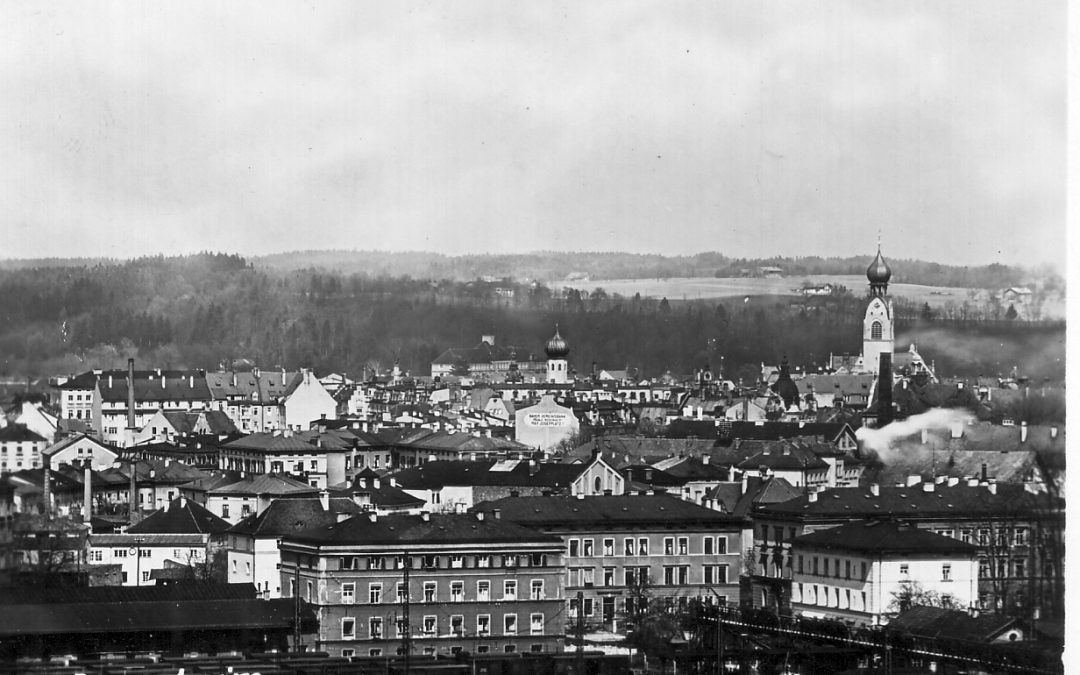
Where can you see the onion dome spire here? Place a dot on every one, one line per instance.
(878, 274)
(556, 347)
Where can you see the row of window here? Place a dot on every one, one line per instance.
(982, 536)
(433, 562)
(430, 591)
(840, 568)
(638, 546)
(429, 626)
(640, 576)
(98, 555)
(349, 652)
(826, 596)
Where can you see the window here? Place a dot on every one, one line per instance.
(309, 591)
(483, 624)
(348, 629)
(721, 546)
(536, 624)
(707, 545)
(1020, 536)
(224, 510)
(348, 594)
(402, 592)
(904, 569)
(375, 628)
(799, 564)
(430, 589)
(609, 547)
(609, 576)
(574, 548)
(509, 624)
(965, 536)
(684, 545)
(457, 624)
(95, 556)
(684, 574)
(708, 573)
(588, 606)
(510, 589)
(669, 576)
(483, 561)
(144, 553)
(946, 572)
(643, 545)
(374, 562)
(669, 545)
(430, 625)
(457, 562)
(587, 577)
(483, 590)
(586, 547)
(536, 589)
(875, 330)
(457, 591)
(1018, 567)
(374, 593)
(628, 546)
(348, 653)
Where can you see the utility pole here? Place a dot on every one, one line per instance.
(406, 630)
(296, 605)
(580, 667)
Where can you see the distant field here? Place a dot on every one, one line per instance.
(707, 288)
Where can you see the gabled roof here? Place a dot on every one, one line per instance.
(267, 386)
(180, 516)
(265, 484)
(565, 511)
(952, 624)
(510, 473)
(155, 388)
(72, 440)
(289, 516)
(785, 456)
(883, 538)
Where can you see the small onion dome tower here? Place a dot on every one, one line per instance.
(557, 367)
(785, 387)
(878, 273)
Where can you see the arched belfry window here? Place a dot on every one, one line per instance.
(875, 330)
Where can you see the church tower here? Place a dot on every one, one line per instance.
(878, 334)
(557, 365)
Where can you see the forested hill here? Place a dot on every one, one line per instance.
(549, 266)
(204, 310)
(552, 266)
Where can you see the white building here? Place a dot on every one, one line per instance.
(306, 400)
(866, 571)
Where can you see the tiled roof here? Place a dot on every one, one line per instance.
(267, 385)
(88, 379)
(71, 440)
(952, 624)
(956, 502)
(180, 516)
(151, 388)
(275, 442)
(288, 516)
(626, 510)
(18, 433)
(437, 529)
(785, 456)
(164, 540)
(883, 538)
(435, 475)
(265, 484)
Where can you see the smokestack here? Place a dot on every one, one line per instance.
(46, 489)
(885, 398)
(133, 498)
(86, 494)
(131, 396)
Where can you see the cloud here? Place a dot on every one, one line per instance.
(753, 128)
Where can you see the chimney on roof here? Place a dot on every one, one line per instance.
(928, 486)
(913, 479)
(972, 481)
(959, 386)
(183, 500)
(324, 499)
(812, 495)
(1053, 432)
(983, 476)
(1023, 431)
(875, 489)
(705, 460)
(372, 516)
(952, 481)
(425, 516)
(479, 515)
(162, 381)
(925, 435)
(110, 380)
(191, 381)
(496, 514)
(991, 485)
(87, 497)
(131, 395)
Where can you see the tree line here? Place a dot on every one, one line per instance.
(209, 309)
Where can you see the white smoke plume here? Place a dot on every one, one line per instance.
(885, 439)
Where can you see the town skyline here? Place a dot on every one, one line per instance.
(753, 129)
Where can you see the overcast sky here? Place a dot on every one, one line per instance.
(748, 127)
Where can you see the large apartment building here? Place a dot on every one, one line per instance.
(451, 583)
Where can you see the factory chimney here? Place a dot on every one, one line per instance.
(884, 389)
